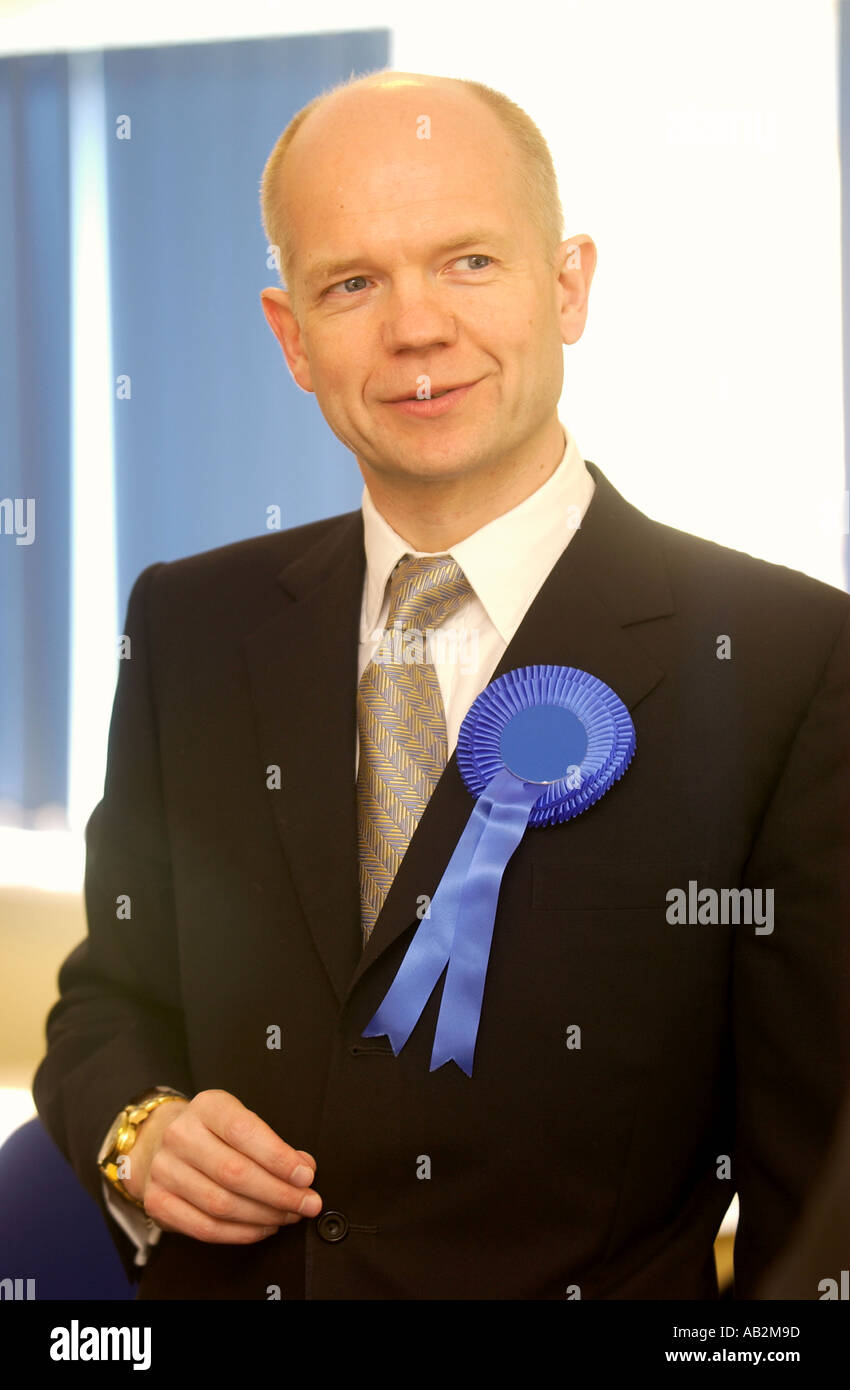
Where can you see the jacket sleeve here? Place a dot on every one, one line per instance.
(791, 984)
(117, 1026)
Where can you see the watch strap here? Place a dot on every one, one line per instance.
(130, 1120)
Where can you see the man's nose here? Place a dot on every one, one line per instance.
(417, 316)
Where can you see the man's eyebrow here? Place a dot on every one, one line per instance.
(329, 270)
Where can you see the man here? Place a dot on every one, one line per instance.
(279, 821)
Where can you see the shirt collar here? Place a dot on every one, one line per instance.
(505, 561)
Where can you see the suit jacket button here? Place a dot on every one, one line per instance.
(332, 1226)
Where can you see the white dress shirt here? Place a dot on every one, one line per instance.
(506, 563)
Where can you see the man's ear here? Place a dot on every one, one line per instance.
(277, 308)
(575, 262)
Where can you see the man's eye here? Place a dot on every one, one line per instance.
(358, 281)
(477, 256)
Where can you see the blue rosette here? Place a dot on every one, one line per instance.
(538, 746)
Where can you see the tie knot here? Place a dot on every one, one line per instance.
(425, 590)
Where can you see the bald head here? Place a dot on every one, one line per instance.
(408, 123)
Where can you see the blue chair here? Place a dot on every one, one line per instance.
(51, 1230)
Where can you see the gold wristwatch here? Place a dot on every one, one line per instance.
(122, 1136)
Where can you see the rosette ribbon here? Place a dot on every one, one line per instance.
(538, 746)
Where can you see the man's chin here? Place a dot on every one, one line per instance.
(423, 466)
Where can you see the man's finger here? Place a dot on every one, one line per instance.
(173, 1213)
(243, 1130)
(241, 1208)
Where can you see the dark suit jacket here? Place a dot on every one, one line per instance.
(815, 1265)
(552, 1167)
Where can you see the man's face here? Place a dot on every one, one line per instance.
(416, 269)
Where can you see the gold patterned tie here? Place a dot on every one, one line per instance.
(401, 722)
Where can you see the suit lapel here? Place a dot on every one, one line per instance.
(302, 666)
(611, 577)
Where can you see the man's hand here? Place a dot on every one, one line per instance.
(212, 1169)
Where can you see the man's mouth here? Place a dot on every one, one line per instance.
(432, 395)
